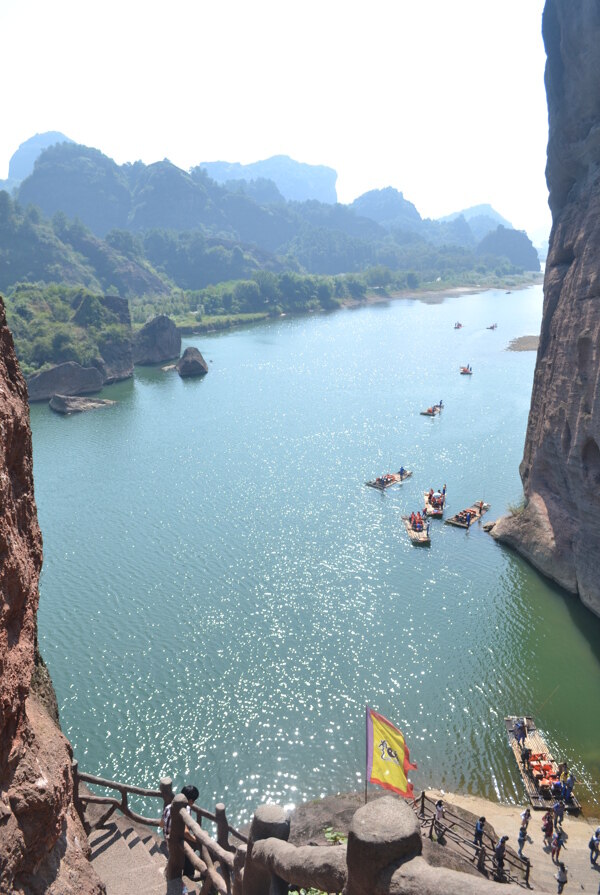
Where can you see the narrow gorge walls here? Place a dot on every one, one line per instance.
(559, 530)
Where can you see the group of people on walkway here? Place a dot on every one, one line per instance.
(554, 840)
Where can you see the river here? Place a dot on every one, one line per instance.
(221, 594)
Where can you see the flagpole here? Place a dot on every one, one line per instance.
(366, 750)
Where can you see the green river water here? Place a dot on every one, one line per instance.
(222, 595)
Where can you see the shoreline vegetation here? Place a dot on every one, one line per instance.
(58, 323)
(431, 294)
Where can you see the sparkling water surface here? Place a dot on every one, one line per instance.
(222, 595)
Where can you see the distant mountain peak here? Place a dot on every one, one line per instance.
(483, 210)
(296, 181)
(22, 161)
(388, 207)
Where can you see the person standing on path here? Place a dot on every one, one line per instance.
(561, 877)
(557, 842)
(439, 816)
(547, 828)
(478, 840)
(594, 845)
(525, 818)
(559, 812)
(499, 852)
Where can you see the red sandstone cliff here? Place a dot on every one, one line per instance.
(559, 530)
(42, 844)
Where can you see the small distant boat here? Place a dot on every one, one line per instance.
(457, 325)
(466, 518)
(433, 410)
(540, 771)
(466, 371)
(419, 538)
(493, 326)
(435, 501)
(390, 478)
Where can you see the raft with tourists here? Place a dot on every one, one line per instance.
(540, 773)
(417, 529)
(435, 501)
(467, 517)
(466, 371)
(433, 410)
(390, 478)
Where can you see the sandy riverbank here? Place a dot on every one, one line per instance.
(434, 296)
(524, 343)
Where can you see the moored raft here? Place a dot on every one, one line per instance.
(435, 503)
(390, 478)
(467, 517)
(541, 771)
(419, 538)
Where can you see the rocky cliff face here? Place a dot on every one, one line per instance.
(43, 846)
(559, 531)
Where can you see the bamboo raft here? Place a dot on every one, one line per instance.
(476, 510)
(419, 538)
(537, 787)
(391, 478)
(435, 511)
(433, 411)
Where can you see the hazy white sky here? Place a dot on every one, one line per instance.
(442, 100)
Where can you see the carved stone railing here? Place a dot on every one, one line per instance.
(382, 857)
(186, 834)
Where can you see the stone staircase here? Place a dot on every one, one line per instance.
(131, 859)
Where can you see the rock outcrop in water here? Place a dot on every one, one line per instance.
(65, 379)
(191, 363)
(559, 529)
(43, 845)
(157, 341)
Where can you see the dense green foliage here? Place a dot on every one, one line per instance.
(57, 323)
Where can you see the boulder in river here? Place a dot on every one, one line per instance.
(157, 341)
(191, 363)
(75, 404)
(64, 379)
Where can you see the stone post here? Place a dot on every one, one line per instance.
(222, 826)
(239, 859)
(268, 820)
(166, 788)
(381, 832)
(176, 860)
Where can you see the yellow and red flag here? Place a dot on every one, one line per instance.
(388, 758)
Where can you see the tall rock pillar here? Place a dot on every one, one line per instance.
(559, 530)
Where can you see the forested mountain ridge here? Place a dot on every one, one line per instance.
(175, 242)
(324, 238)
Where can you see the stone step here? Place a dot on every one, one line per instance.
(130, 858)
(123, 862)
